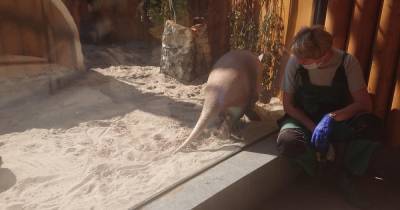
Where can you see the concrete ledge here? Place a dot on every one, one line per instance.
(19, 83)
(243, 181)
(20, 59)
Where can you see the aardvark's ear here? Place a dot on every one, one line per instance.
(260, 57)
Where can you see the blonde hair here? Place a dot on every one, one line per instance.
(311, 42)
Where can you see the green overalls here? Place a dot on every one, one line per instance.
(358, 134)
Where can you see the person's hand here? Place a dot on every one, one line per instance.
(320, 136)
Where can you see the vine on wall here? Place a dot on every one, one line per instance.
(161, 10)
(243, 25)
(260, 33)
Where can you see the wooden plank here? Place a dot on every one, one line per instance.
(297, 14)
(73, 7)
(42, 33)
(20, 59)
(338, 21)
(393, 121)
(286, 18)
(76, 61)
(2, 50)
(32, 28)
(1, 43)
(303, 15)
(218, 27)
(10, 32)
(363, 28)
(62, 36)
(126, 18)
(385, 55)
(197, 9)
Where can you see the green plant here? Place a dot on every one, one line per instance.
(271, 44)
(243, 25)
(161, 10)
(260, 34)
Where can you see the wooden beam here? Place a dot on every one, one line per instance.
(65, 46)
(385, 57)
(363, 28)
(32, 31)
(338, 21)
(303, 14)
(9, 29)
(218, 27)
(197, 9)
(393, 121)
(2, 50)
(297, 14)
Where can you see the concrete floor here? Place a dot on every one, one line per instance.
(310, 195)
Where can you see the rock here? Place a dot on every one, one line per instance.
(202, 49)
(185, 52)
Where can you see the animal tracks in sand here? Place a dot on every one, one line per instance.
(105, 142)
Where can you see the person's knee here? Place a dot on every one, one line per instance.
(291, 143)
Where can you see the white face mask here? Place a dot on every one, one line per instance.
(311, 66)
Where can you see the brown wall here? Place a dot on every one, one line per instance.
(338, 25)
(369, 30)
(124, 17)
(218, 27)
(22, 30)
(41, 30)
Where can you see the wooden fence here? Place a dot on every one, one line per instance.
(368, 29)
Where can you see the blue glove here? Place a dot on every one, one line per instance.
(321, 134)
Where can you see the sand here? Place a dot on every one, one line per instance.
(106, 140)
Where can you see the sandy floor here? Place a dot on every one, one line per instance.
(104, 142)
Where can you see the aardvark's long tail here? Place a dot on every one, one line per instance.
(211, 108)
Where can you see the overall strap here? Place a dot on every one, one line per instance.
(303, 74)
(340, 74)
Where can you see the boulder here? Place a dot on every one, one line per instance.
(185, 52)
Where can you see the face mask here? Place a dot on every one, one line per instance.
(311, 66)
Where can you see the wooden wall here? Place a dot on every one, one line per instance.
(297, 14)
(22, 30)
(38, 31)
(123, 16)
(369, 30)
(218, 27)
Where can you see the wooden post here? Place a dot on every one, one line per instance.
(32, 28)
(2, 50)
(393, 121)
(9, 30)
(303, 14)
(1, 44)
(385, 55)
(218, 27)
(74, 8)
(338, 20)
(197, 11)
(363, 28)
(297, 14)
